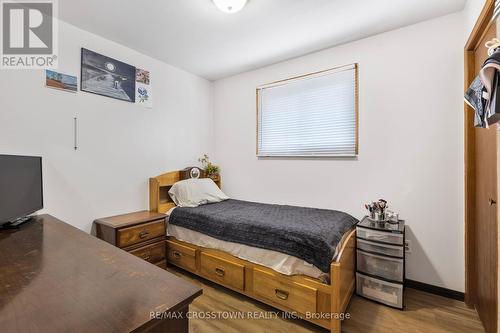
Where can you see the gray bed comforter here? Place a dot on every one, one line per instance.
(307, 233)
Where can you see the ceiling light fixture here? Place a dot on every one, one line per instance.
(230, 6)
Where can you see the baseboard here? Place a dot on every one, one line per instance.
(459, 296)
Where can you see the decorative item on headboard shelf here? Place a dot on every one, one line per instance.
(211, 170)
(192, 172)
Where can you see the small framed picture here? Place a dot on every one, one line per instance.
(61, 81)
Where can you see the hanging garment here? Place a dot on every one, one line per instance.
(483, 91)
(474, 97)
(494, 109)
(489, 77)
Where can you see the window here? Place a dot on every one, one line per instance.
(312, 115)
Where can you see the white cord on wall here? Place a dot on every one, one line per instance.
(76, 133)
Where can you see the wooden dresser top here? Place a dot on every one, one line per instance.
(130, 219)
(57, 278)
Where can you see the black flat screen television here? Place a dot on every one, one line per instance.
(21, 191)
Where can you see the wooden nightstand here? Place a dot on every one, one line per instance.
(142, 234)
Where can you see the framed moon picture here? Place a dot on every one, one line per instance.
(108, 77)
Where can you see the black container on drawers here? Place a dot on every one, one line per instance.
(380, 254)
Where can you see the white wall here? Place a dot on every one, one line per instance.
(471, 12)
(411, 141)
(121, 144)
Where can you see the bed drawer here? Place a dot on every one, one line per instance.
(380, 291)
(222, 271)
(379, 236)
(182, 256)
(294, 296)
(140, 233)
(385, 249)
(384, 267)
(153, 253)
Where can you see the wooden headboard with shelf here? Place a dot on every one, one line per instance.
(159, 199)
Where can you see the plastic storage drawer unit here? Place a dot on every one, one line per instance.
(380, 261)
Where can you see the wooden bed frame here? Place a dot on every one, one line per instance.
(308, 298)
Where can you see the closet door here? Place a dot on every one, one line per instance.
(485, 210)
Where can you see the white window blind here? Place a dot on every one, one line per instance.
(314, 115)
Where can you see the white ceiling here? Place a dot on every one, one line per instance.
(195, 36)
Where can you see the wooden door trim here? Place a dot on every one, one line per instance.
(469, 186)
(481, 25)
(480, 28)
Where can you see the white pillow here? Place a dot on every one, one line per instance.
(195, 192)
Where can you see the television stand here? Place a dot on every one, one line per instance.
(16, 223)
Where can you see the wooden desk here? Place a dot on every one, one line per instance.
(56, 278)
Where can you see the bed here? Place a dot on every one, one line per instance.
(218, 242)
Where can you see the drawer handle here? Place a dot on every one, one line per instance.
(147, 256)
(220, 272)
(177, 255)
(281, 294)
(143, 234)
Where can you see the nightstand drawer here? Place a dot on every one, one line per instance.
(153, 253)
(381, 291)
(182, 256)
(379, 236)
(294, 296)
(140, 233)
(223, 271)
(383, 267)
(390, 250)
